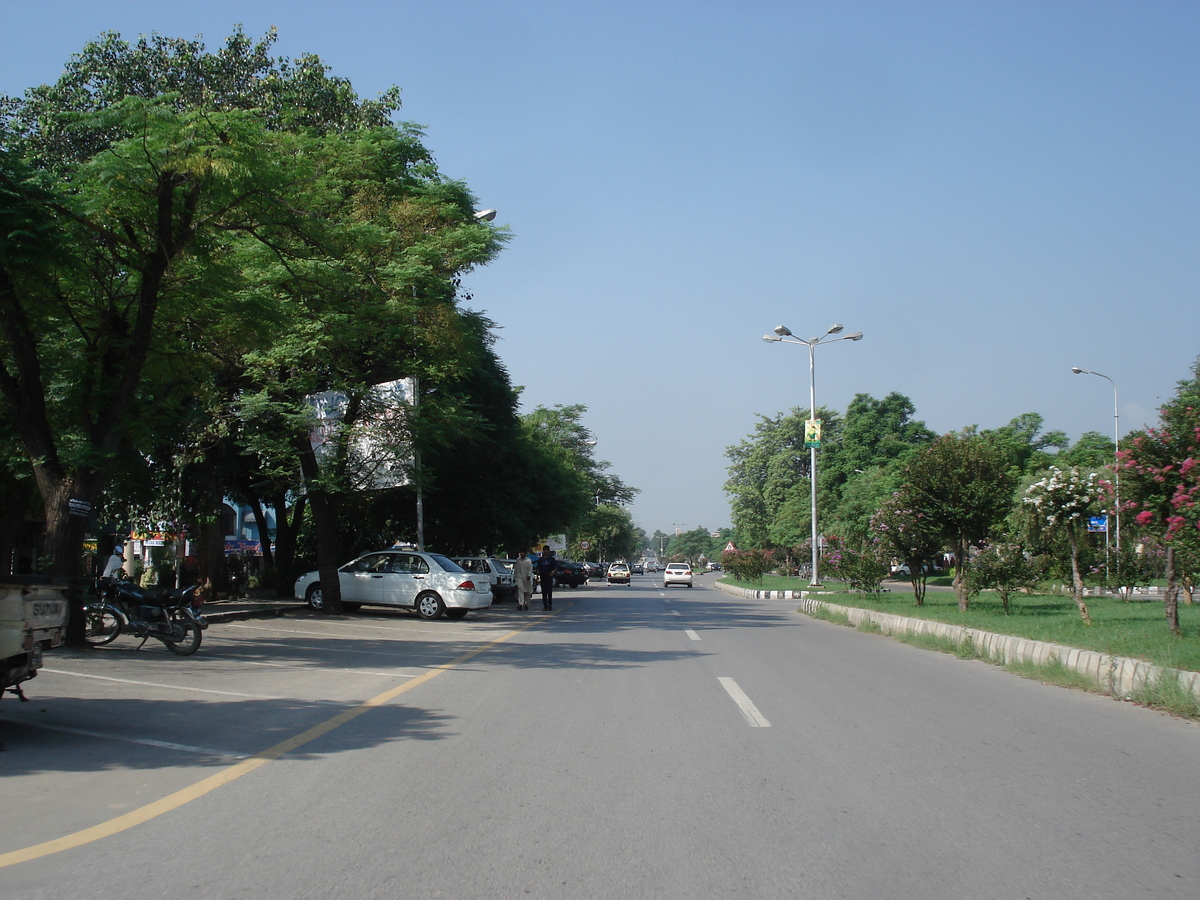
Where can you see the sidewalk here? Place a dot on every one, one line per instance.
(250, 607)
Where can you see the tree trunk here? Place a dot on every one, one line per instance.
(287, 530)
(1077, 580)
(960, 574)
(208, 498)
(1171, 594)
(918, 583)
(324, 511)
(64, 540)
(17, 496)
(264, 534)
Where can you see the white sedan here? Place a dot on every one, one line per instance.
(677, 573)
(428, 583)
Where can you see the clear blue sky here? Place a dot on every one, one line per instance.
(992, 191)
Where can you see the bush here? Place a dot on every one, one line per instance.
(748, 565)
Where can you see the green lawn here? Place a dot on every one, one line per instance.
(1137, 629)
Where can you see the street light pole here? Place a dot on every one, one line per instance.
(1116, 442)
(781, 334)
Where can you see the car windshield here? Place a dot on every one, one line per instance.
(446, 563)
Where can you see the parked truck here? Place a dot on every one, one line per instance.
(33, 619)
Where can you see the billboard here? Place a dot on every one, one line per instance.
(379, 446)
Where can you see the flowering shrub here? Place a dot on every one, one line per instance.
(1067, 499)
(748, 565)
(910, 535)
(1004, 567)
(1160, 468)
(863, 566)
(1059, 506)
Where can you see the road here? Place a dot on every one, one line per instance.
(635, 743)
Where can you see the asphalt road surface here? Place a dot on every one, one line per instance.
(637, 742)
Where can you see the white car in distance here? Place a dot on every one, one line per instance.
(677, 573)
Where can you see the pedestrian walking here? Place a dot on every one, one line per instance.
(545, 568)
(523, 575)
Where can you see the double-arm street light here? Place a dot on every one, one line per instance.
(1116, 441)
(781, 335)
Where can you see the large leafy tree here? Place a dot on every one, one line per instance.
(875, 433)
(210, 200)
(568, 481)
(768, 484)
(131, 272)
(963, 483)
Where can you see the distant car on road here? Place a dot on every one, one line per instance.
(903, 570)
(571, 574)
(638, 569)
(677, 573)
(618, 573)
(430, 584)
(594, 569)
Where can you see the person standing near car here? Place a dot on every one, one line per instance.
(523, 575)
(545, 568)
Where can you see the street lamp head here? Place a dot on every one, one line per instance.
(1077, 370)
(857, 336)
(783, 331)
(485, 215)
(771, 339)
(836, 329)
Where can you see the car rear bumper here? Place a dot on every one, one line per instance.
(467, 600)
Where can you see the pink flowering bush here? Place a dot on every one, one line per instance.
(1160, 482)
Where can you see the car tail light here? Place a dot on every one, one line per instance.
(467, 586)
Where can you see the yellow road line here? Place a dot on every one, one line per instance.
(236, 771)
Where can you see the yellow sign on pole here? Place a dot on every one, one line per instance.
(812, 433)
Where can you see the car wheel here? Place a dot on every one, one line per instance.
(455, 613)
(429, 605)
(315, 598)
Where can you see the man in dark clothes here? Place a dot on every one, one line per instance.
(545, 568)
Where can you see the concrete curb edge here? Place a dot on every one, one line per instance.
(1119, 675)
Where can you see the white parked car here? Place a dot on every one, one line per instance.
(497, 571)
(677, 573)
(428, 583)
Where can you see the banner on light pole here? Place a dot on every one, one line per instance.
(812, 433)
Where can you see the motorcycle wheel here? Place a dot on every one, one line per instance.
(190, 642)
(101, 626)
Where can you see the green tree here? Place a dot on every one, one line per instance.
(1092, 451)
(768, 484)
(569, 482)
(156, 155)
(911, 535)
(610, 533)
(963, 483)
(1027, 445)
(693, 545)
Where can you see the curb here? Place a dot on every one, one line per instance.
(1120, 676)
(258, 612)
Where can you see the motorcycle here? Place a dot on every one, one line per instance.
(167, 614)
